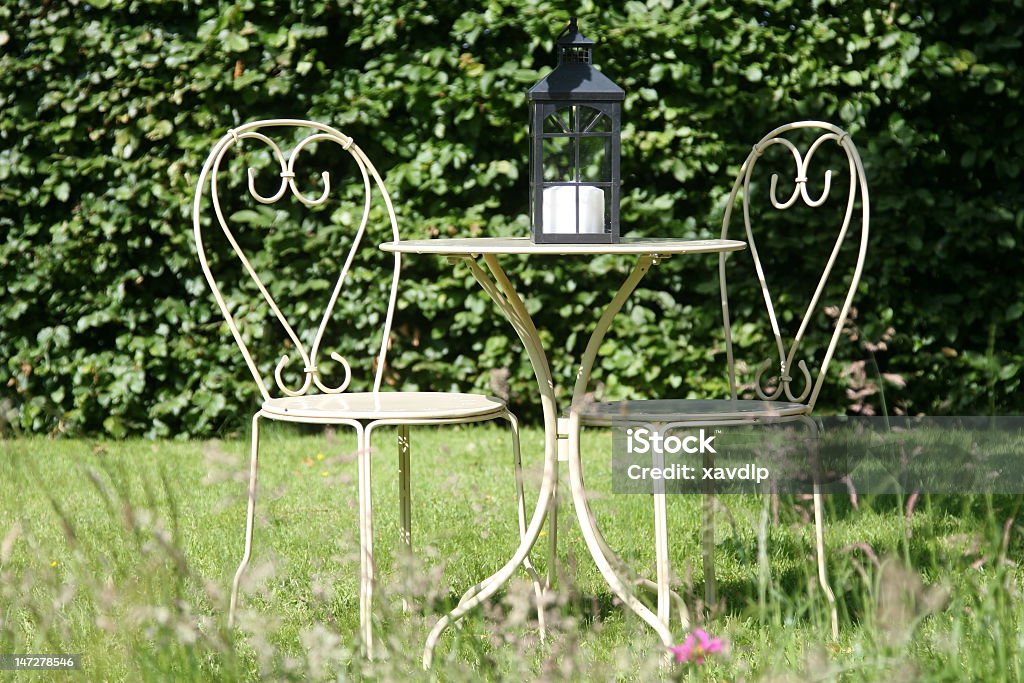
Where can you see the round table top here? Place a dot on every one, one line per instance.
(467, 246)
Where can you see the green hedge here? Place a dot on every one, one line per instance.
(109, 108)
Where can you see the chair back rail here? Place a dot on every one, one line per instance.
(208, 180)
(858, 189)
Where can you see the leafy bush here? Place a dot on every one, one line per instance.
(110, 108)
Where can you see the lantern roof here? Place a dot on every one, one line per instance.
(575, 78)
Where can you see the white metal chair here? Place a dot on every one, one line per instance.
(315, 401)
(781, 403)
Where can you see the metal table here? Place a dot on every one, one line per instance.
(481, 254)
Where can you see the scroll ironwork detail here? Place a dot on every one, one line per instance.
(311, 373)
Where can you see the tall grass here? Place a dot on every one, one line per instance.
(123, 552)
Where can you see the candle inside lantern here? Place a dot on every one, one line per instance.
(560, 209)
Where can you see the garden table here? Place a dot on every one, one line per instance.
(481, 254)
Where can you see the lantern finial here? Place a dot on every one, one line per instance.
(573, 46)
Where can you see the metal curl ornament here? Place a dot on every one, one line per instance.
(312, 377)
(785, 382)
(802, 163)
(337, 358)
(288, 171)
(308, 371)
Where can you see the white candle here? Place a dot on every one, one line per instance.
(560, 209)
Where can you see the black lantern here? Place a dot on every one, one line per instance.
(575, 129)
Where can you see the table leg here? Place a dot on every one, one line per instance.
(497, 285)
(501, 291)
(595, 542)
(504, 294)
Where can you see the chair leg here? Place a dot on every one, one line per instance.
(708, 543)
(366, 577)
(819, 528)
(404, 488)
(819, 539)
(764, 574)
(404, 499)
(708, 537)
(249, 518)
(663, 568)
(538, 589)
(661, 556)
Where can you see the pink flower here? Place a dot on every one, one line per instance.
(696, 647)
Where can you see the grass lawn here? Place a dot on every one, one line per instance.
(124, 551)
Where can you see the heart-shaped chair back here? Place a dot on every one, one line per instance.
(854, 226)
(312, 134)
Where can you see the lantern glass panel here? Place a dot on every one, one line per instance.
(595, 153)
(559, 159)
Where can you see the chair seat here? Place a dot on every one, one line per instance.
(391, 405)
(687, 410)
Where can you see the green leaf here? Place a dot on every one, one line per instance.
(852, 78)
(255, 218)
(115, 427)
(160, 130)
(235, 42)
